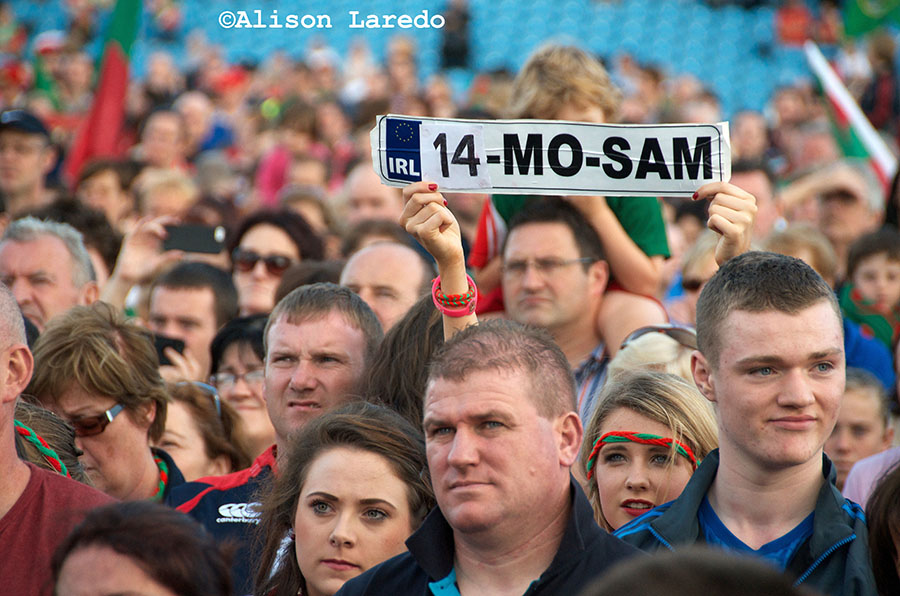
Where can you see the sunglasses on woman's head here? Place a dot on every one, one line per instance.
(246, 260)
(207, 390)
(686, 336)
(89, 426)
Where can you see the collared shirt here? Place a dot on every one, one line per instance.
(584, 553)
(589, 378)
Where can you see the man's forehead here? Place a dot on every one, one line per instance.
(291, 327)
(479, 389)
(383, 263)
(181, 298)
(540, 237)
(40, 244)
(821, 331)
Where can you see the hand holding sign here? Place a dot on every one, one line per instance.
(732, 212)
(427, 218)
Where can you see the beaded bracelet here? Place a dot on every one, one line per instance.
(457, 300)
(455, 305)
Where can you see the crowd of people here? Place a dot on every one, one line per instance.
(356, 389)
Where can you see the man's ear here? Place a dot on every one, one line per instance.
(17, 367)
(570, 434)
(598, 273)
(703, 378)
(89, 293)
(48, 159)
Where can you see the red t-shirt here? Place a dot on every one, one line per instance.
(42, 517)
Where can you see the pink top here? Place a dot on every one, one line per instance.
(866, 473)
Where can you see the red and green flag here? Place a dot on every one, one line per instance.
(100, 132)
(855, 135)
(862, 16)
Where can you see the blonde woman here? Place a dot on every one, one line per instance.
(647, 435)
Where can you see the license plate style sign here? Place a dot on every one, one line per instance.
(550, 157)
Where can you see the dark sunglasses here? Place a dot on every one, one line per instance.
(90, 426)
(208, 390)
(686, 336)
(246, 260)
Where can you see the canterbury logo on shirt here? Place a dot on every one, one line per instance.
(246, 513)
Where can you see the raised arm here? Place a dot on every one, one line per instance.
(428, 219)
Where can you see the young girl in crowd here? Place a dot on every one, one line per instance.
(354, 489)
(647, 435)
(872, 298)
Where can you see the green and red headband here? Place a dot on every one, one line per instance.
(643, 439)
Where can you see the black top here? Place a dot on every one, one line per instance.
(585, 552)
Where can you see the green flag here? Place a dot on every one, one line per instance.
(862, 16)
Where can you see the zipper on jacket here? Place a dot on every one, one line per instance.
(661, 539)
(824, 556)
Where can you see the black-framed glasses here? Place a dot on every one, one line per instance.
(227, 380)
(686, 336)
(208, 390)
(246, 260)
(544, 266)
(90, 426)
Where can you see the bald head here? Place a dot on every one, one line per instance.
(368, 198)
(390, 277)
(13, 325)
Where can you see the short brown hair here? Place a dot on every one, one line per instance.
(885, 241)
(95, 348)
(556, 75)
(316, 300)
(502, 346)
(755, 282)
(171, 548)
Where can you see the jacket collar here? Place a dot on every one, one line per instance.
(679, 524)
(432, 545)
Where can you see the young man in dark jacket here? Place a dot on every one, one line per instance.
(771, 358)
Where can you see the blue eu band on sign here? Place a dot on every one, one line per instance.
(402, 150)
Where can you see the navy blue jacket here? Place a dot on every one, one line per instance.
(834, 560)
(585, 552)
(227, 508)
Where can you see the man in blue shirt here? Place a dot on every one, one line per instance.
(771, 357)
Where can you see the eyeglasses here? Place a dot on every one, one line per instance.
(686, 336)
(692, 284)
(246, 260)
(90, 426)
(209, 390)
(546, 267)
(226, 380)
